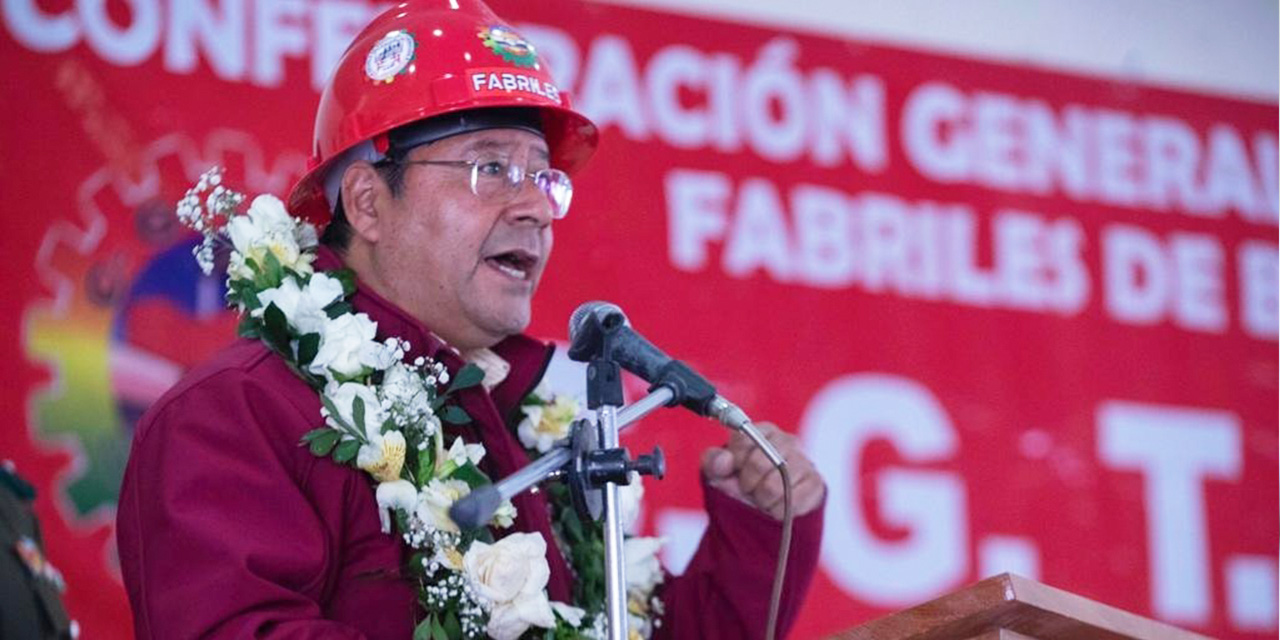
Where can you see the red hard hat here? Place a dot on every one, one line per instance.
(425, 58)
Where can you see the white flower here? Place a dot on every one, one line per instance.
(305, 234)
(268, 228)
(639, 626)
(544, 425)
(343, 397)
(266, 216)
(383, 457)
(396, 495)
(510, 577)
(404, 390)
(435, 500)
(510, 620)
(461, 453)
(347, 347)
(303, 307)
(568, 613)
(504, 516)
(644, 572)
(448, 556)
(629, 497)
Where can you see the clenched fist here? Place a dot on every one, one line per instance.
(742, 471)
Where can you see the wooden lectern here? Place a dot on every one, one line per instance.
(1010, 607)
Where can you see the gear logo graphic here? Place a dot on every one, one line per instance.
(508, 44)
(130, 310)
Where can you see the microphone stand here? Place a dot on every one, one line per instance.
(593, 461)
(604, 395)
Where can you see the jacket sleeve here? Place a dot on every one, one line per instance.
(724, 592)
(216, 537)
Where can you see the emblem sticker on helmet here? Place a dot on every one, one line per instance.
(390, 56)
(508, 44)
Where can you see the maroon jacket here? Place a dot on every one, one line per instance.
(228, 529)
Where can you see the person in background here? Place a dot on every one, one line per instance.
(30, 586)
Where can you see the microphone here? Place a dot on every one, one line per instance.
(593, 324)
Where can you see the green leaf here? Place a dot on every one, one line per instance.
(332, 408)
(427, 457)
(249, 327)
(274, 270)
(423, 630)
(338, 308)
(248, 296)
(451, 625)
(313, 434)
(321, 445)
(437, 630)
(469, 376)
(275, 327)
(357, 413)
(573, 526)
(469, 474)
(453, 414)
(308, 346)
(346, 451)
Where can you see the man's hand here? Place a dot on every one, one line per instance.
(742, 471)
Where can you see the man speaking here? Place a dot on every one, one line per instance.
(442, 158)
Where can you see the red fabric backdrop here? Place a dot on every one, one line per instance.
(1022, 319)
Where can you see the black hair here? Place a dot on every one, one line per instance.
(337, 234)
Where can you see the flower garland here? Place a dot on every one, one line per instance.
(386, 416)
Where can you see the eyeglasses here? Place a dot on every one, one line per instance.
(495, 180)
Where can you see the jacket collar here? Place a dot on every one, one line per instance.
(528, 357)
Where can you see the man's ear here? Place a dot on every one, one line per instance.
(360, 190)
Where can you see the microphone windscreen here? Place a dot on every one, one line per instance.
(585, 311)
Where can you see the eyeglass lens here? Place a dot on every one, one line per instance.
(493, 177)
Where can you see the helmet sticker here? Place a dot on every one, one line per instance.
(508, 44)
(390, 56)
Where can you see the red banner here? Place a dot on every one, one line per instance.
(1022, 320)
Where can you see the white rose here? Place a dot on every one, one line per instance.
(644, 572)
(509, 568)
(436, 498)
(347, 347)
(343, 397)
(569, 613)
(511, 577)
(303, 307)
(510, 620)
(269, 215)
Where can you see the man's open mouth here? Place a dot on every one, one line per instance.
(517, 263)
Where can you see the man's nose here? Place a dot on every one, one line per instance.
(530, 204)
